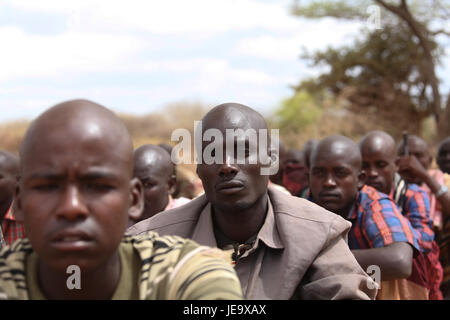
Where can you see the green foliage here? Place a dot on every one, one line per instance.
(385, 73)
(354, 9)
(298, 112)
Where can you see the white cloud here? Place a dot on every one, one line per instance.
(312, 35)
(54, 56)
(166, 17)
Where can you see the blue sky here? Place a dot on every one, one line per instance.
(137, 56)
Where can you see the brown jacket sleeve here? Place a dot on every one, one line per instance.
(335, 273)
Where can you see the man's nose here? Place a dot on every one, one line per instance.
(330, 181)
(371, 172)
(72, 205)
(228, 167)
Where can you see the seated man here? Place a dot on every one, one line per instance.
(75, 195)
(283, 247)
(414, 167)
(153, 167)
(379, 235)
(378, 152)
(9, 171)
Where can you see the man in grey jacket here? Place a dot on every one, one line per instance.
(283, 247)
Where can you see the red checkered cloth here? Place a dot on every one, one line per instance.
(12, 229)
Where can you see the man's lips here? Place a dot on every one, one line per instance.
(229, 187)
(375, 184)
(71, 240)
(329, 196)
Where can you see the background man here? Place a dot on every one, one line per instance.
(9, 172)
(379, 235)
(153, 167)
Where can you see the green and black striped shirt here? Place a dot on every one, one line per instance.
(172, 268)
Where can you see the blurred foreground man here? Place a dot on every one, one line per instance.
(283, 247)
(75, 195)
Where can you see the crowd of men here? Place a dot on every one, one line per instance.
(339, 220)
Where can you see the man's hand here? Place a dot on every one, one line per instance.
(411, 168)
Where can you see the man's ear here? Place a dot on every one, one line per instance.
(362, 177)
(136, 208)
(172, 182)
(18, 213)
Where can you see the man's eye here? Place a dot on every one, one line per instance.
(148, 184)
(99, 186)
(317, 173)
(381, 165)
(341, 173)
(45, 187)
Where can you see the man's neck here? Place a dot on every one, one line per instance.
(98, 284)
(241, 224)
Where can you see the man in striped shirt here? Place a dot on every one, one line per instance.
(75, 195)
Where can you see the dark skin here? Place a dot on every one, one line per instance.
(296, 157)
(237, 192)
(308, 147)
(335, 178)
(153, 167)
(378, 160)
(277, 178)
(9, 172)
(75, 196)
(443, 156)
(414, 168)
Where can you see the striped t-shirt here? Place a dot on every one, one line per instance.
(172, 268)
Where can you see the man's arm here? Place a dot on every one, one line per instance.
(394, 260)
(413, 166)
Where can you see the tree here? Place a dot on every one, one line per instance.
(391, 67)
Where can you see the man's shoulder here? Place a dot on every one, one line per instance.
(12, 270)
(151, 243)
(170, 262)
(177, 218)
(369, 197)
(414, 189)
(299, 208)
(294, 213)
